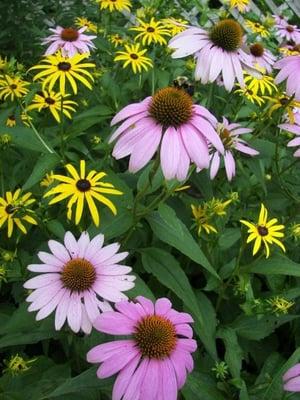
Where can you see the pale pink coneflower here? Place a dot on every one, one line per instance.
(154, 361)
(170, 121)
(261, 56)
(293, 128)
(78, 279)
(289, 70)
(229, 134)
(218, 51)
(291, 379)
(280, 20)
(71, 41)
(288, 32)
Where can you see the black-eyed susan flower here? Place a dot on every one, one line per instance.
(14, 211)
(11, 121)
(12, 86)
(258, 28)
(202, 220)
(82, 22)
(55, 102)
(47, 180)
(116, 39)
(250, 95)
(81, 187)
(151, 32)
(58, 68)
(115, 5)
(241, 5)
(283, 102)
(175, 25)
(135, 57)
(264, 232)
(260, 84)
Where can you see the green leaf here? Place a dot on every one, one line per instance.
(229, 237)
(278, 264)
(233, 353)
(254, 328)
(112, 226)
(25, 138)
(44, 164)
(87, 380)
(169, 229)
(87, 119)
(168, 271)
(275, 389)
(140, 289)
(201, 386)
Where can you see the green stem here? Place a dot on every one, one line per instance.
(62, 143)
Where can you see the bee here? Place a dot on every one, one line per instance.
(182, 82)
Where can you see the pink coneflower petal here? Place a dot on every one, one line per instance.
(134, 388)
(114, 364)
(170, 152)
(124, 378)
(195, 145)
(72, 278)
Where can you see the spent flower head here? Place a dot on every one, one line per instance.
(221, 370)
(280, 305)
(17, 365)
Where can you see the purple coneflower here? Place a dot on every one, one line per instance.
(229, 134)
(70, 41)
(78, 279)
(291, 379)
(289, 69)
(261, 56)
(171, 121)
(293, 128)
(218, 51)
(153, 363)
(280, 20)
(288, 32)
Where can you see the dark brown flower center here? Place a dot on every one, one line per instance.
(49, 101)
(12, 118)
(10, 209)
(284, 101)
(289, 28)
(171, 107)
(13, 86)
(256, 50)
(150, 29)
(78, 275)
(226, 137)
(83, 185)
(134, 56)
(227, 34)
(262, 230)
(69, 34)
(155, 337)
(64, 66)
(297, 48)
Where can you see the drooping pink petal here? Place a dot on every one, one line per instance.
(124, 377)
(114, 323)
(114, 364)
(170, 152)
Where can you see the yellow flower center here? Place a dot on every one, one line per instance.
(83, 185)
(257, 50)
(64, 66)
(69, 34)
(171, 107)
(262, 230)
(227, 34)
(155, 337)
(78, 275)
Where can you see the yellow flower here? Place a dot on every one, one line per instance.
(17, 365)
(55, 102)
(152, 31)
(135, 57)
(56, 67)
(202, 219)
(81, 22)
(256, 27)
(25, 118)
(3, 63)
(14, 210)
(217, 206)
(264, 232)
(3, 273)
(282, 101)
(294, 231)
(115, 5)
(12, 86)
(5, 139)
(81, 188)
(280, 305)
(260, 84)
(48, 179)
(11, 121)
(116, 39)
(241, 5)
(293, 51)
(250, 95)
(175, 25)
